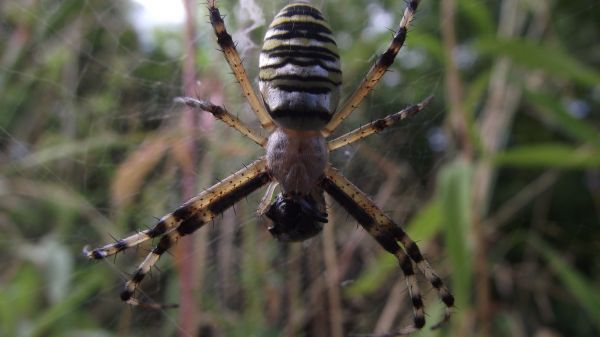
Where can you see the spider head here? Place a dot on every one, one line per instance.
(295, 218)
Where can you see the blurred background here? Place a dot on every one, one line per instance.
(498, 179)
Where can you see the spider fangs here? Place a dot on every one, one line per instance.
(299, 81)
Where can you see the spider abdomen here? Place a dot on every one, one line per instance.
(300, 74)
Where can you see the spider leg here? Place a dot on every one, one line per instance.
(384, 61)
(377, 126)
(221, 113)
(388, 234)
(235, 63)
(207, 204)
(195, 213)
(165, 242)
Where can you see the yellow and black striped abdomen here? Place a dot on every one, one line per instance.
(300, 73)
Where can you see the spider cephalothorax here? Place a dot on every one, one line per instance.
(299, 80)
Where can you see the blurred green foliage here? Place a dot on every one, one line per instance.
(88, 139)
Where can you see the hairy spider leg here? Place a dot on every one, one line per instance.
(387, 234)
(209, 201)
(384, 61)
(222, 114)
(377, 126)
(219, 197)
(235, 63)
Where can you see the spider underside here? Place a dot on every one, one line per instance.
(297, 151)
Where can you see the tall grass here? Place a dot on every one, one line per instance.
(498, 180)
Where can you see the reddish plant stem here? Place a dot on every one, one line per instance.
(454, 87)
(332, 279)
(189, 122)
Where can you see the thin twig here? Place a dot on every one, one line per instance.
(332, 276)
(522, 199)
(458, 125)
(454, 87)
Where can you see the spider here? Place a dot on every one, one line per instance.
(299, 82)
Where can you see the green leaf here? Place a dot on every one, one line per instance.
(58, 264)
(68, 149)
(479, 15)
(549, 155)
(70, 304)
(18, 298)
(430, 43)
(586, 293)
(548, 58)
(427, 222)
(476, 91)
(554, 110)
(455, 195)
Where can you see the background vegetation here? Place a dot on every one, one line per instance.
(498, 179)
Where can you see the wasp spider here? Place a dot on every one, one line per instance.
(299, 82)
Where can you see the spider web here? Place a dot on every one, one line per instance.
(92, 147)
